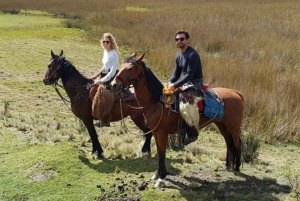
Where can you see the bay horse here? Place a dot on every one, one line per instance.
(77, 89)
(163, 121)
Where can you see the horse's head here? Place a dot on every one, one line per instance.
(53, 72)
(130, 72)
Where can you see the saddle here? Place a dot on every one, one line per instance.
(103, 100)
(128, 95)
(209, 104)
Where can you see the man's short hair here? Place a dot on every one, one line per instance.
(187, 35)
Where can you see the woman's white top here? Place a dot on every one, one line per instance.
(110, 63)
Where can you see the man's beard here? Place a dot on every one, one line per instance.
(181, 45)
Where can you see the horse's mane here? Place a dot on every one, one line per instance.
(153, 82)
(70, 70)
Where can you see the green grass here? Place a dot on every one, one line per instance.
(251, 46)
(44, 152)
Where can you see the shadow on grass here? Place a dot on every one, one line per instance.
(244, 187)
(131, 165)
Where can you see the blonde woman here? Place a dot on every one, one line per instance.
(110, 61)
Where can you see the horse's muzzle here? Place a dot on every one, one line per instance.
(116, 88)
(47, 81)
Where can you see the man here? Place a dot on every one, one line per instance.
(188, 63)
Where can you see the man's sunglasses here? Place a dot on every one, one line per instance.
(179, 39)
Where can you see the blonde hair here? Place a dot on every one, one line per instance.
(113, 43)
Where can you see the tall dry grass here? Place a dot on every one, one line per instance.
(252, 46)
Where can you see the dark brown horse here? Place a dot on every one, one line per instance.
(77, 88)
(162, 121)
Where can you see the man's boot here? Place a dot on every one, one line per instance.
(192, 135)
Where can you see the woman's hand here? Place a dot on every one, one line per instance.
(98, 82)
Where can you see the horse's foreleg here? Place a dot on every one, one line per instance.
(162, 171)
(161, 143)
(146, 149)
(138, 119)
(94, 137)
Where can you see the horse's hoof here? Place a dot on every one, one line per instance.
(160, 183)
(96, 155)
(155, 176)
(236, 171)
(100, 156)
(146, 155)
(229, 169)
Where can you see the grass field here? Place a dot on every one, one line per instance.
(44, 149)
(251, 46)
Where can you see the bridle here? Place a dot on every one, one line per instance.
(58, 68)
(122, 89)
(54, 83)
(128, 79)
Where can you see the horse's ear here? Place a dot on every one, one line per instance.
(140, 58)
(61, 53)
(52, 54)
(134, 54)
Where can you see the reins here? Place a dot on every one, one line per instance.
(123, 121)
(137, 108)
(55, 84)
(59, 94)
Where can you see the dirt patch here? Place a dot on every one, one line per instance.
(38, 174)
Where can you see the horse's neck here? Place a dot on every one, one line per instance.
(74, 83)
(142, 93)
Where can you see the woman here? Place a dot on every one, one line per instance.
(110, 60)
(110, 63)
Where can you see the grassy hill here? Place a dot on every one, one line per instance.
(44, 149)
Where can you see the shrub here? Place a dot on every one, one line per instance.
(11, 11)
(250, 147)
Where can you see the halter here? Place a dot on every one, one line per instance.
(60, 58)
(133, 61)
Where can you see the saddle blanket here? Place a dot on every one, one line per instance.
(213, 105)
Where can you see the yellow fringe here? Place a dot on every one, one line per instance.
(168, 92)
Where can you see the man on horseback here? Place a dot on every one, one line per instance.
(188, 63)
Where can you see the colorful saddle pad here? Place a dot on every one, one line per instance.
(213, 105)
